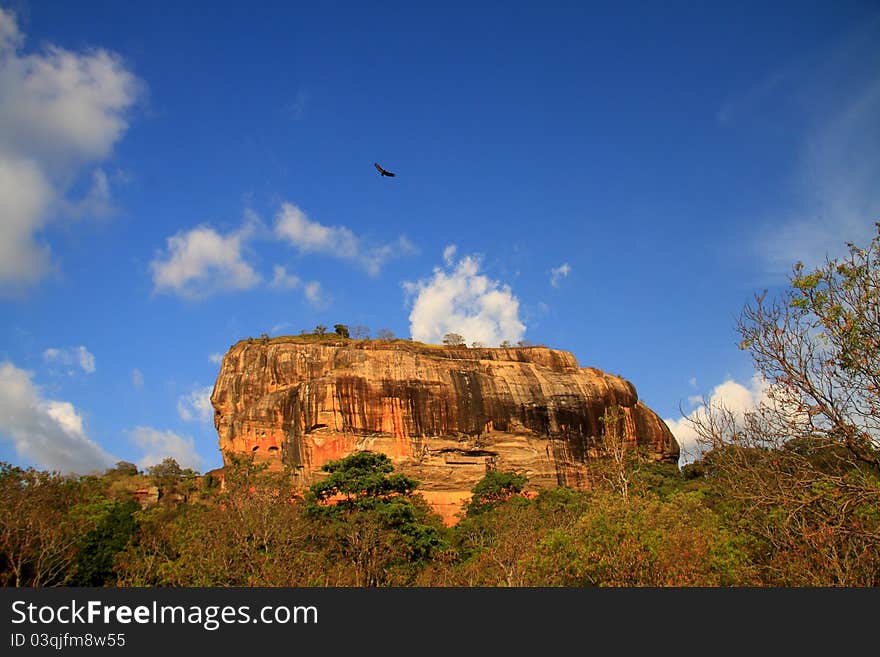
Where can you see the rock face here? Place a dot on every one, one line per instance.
(445, 415)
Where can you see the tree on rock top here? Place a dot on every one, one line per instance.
(453, 340)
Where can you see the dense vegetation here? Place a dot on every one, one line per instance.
(365, 525)
(785, 494)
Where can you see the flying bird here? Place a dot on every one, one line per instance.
(382, 171)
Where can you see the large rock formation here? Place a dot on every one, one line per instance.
(445, 415)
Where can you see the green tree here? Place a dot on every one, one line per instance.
(801, 471)
(253, 533)
(341, 330)
(494, 547)
(124, 468)
(360, 481)
(493, 489)
(642, 541)
(376, 520)
(174, 482)
(98, 549)
(38, 534)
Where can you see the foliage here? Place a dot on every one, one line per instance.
(493, 489)
(618, 459)
(124, 468)
(366, 525)
(38, 531)
(642, 541)
(376, 521)
(493, 548)
(818, 348)
(357, 482)
(94, 565)
(800, 474)
(341, 330)
(174, 482)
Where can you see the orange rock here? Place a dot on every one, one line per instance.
(444, 415)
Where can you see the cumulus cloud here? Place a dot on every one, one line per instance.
(734, 397)
(137, 378)
(458, 299)
(201, 262)
(196, 405)
(60, 112)
(47, 432)
(159, 445)
(558, 273)
(293, 226)
(74, 356)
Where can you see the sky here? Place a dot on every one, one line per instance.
(614, 179)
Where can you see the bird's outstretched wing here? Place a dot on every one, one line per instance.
(382, 171)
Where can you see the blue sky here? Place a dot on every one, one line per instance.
(616, 180)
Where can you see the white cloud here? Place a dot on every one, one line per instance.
(97, 201)
(47, 432)
(196, 405)
(25, 197)
(10, 37)
(312, 291)
(75, 355)
(283, 280)
(837, 177)
(86, 360)
(315, 294)
(449, 254)
(558, 273)
(137, 378)
(293, 226)
(159, 445)
(59, 112)
(460, 300)
(201, 262)
(731, 396)
(216, 358)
